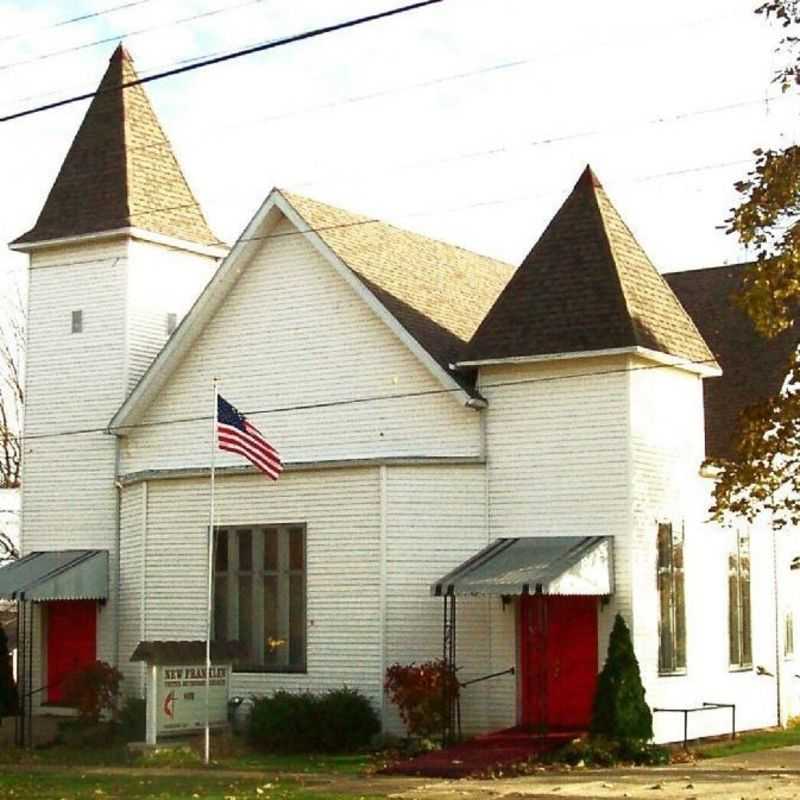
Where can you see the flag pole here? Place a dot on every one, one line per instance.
(210, 575)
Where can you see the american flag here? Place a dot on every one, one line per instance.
(237, 435)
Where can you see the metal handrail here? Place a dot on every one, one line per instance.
(509, 671)
(704, 707)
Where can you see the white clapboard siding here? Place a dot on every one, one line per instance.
(292, 332)
(133, 516)
(73, 382)
(558, 464)
(435, 519)
(161, 281)
(340, 509)
(667, 451)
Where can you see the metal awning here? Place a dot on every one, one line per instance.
(573, 565)
(57, 575)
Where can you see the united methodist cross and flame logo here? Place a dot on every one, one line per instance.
(169, 705)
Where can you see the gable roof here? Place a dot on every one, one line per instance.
(120, 171)
(438, 292)
(430, 294)
(587, 286)
(754, 367)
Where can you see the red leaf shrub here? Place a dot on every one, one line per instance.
(418, 691)
(92, 690)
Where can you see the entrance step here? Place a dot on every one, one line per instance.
(482, 754)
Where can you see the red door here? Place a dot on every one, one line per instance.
(71, 641)
(558, 661)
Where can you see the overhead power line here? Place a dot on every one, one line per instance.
(233, 55)
(129, 34)
(375, 399)
(72, 20)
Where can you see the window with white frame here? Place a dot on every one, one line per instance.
(740, 649)
(260, 595)
(672, 616)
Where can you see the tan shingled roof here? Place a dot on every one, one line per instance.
(120, 171)
(437, 291)
(587, 285)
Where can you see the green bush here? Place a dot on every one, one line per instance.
(597, 751)
(620, 711)
(132, 720)
(340, 720)
(347, 720)
(284, 722)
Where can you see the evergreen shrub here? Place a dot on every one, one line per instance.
(340, 720)
(620, 712)
(348, 721)
(9, 699)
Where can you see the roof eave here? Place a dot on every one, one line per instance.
(706, 369)
(213, 250)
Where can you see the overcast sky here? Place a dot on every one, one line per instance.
(469, 120)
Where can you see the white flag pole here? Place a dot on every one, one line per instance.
(210, 587)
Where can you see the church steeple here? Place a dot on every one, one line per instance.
(120, 172)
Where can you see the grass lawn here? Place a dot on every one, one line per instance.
(239, 757)
(751, 742)
(74, 785)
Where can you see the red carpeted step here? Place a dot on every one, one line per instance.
(481, 754)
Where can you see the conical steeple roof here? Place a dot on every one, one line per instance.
(587, 285)
(120, 171)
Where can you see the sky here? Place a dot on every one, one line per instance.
(468, 121)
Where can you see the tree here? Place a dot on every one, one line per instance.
(12, 341)
(620, 711)
(764, 472)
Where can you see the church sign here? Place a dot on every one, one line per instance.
(176, 687)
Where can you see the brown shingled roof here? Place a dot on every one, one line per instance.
(437, 291)
(587, 285)
(753, 367)
(120, 171)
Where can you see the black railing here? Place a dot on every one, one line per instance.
(703, 707)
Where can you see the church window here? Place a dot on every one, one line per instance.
(739, 625)
(672, 607)
(260, 595)
(77, 321)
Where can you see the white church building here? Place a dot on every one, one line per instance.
(525, 439)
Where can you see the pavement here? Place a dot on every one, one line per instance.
(766, 775)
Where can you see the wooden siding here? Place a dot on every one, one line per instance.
(74, 382)
(558, 464)
(666, 452)
(436, 518)
(292, 332)
(133, 520)
(341, 514)
(161, 280)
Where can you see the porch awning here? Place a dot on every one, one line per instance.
(574, 565)
(57, 575)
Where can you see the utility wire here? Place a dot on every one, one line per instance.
(129, 35)
(490, 68)
(371, 399)
(71, 20)
(233, 55)
(436, 211)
